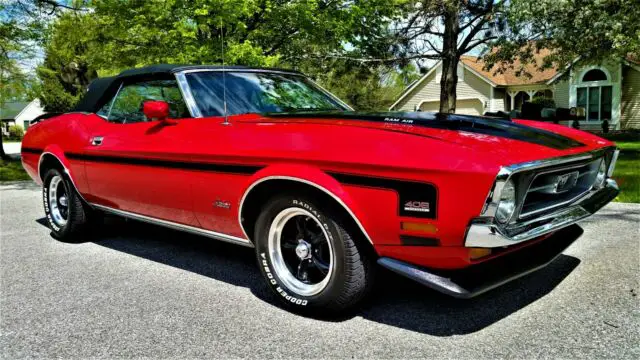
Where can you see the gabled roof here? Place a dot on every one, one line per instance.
(510, 77)
(633, 58)
(11, 110)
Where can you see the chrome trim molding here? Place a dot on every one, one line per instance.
(483, 232)
(112, 102)
(555, 205)
(330, 94)
(187, 95)
(177, 226)
(505, 173)
(187, 71)
(337, 199)
(612, 164)
(66, 171)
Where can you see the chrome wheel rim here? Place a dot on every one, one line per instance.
(300, 251)
(58, 201)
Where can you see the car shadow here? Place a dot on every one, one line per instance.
(395, 300)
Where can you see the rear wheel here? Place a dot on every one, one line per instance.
(65, 211)
(309, 259)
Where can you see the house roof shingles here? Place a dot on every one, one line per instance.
(509, 77)
(10, 110)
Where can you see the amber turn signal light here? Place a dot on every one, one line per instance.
(419, 227)
(477, 253)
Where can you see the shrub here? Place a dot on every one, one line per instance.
(15, 132)
(626, 135)
(544, 102)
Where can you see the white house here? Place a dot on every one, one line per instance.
(608, 91)
(19, 113)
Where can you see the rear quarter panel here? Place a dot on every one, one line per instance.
(56, 136)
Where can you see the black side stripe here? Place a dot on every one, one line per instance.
(31, 150)
(408, 191)
(185, 165)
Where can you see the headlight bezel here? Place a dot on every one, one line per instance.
(601, 175)
(508, 202)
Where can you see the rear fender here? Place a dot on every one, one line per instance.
(56, 152)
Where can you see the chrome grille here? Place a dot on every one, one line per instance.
(553, 188)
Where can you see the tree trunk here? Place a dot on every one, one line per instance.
(450, 59)
(3, 155)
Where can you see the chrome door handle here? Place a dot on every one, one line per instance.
(96, 141)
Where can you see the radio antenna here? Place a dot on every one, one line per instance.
(224, 78)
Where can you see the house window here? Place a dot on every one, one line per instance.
(597, 102)
(594, 75)
(595, 95)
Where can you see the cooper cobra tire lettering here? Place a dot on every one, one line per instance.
(273, 282)
(47, 211)
(350, 268)
(76, 215)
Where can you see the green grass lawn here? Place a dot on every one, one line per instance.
(627, 172)
(11, 170)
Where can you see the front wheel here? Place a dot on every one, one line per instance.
(309, 259)
(65, 211)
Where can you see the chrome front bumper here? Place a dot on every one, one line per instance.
(483, 232)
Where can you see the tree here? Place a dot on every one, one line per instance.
(67, 71)
(21, 26)
(256, 32)
(115, 35)
(445, 30)
(13, 37)
(362, 86)
(577, 31)
(433, 30)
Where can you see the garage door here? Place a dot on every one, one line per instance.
(467, 106)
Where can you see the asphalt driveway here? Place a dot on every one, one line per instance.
(136, 290)
(11, 148)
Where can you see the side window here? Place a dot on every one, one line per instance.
(127, 106)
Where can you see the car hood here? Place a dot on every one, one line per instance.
(453, 122)
(493, 140)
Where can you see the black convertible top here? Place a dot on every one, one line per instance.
(102, 89)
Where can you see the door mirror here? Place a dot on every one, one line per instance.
(156, 110)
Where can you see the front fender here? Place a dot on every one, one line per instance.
(311, 176)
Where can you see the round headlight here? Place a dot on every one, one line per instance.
(507, 204)
(602, 175)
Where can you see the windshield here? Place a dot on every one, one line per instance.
(257, 92)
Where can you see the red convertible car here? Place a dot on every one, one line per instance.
(267, 159)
